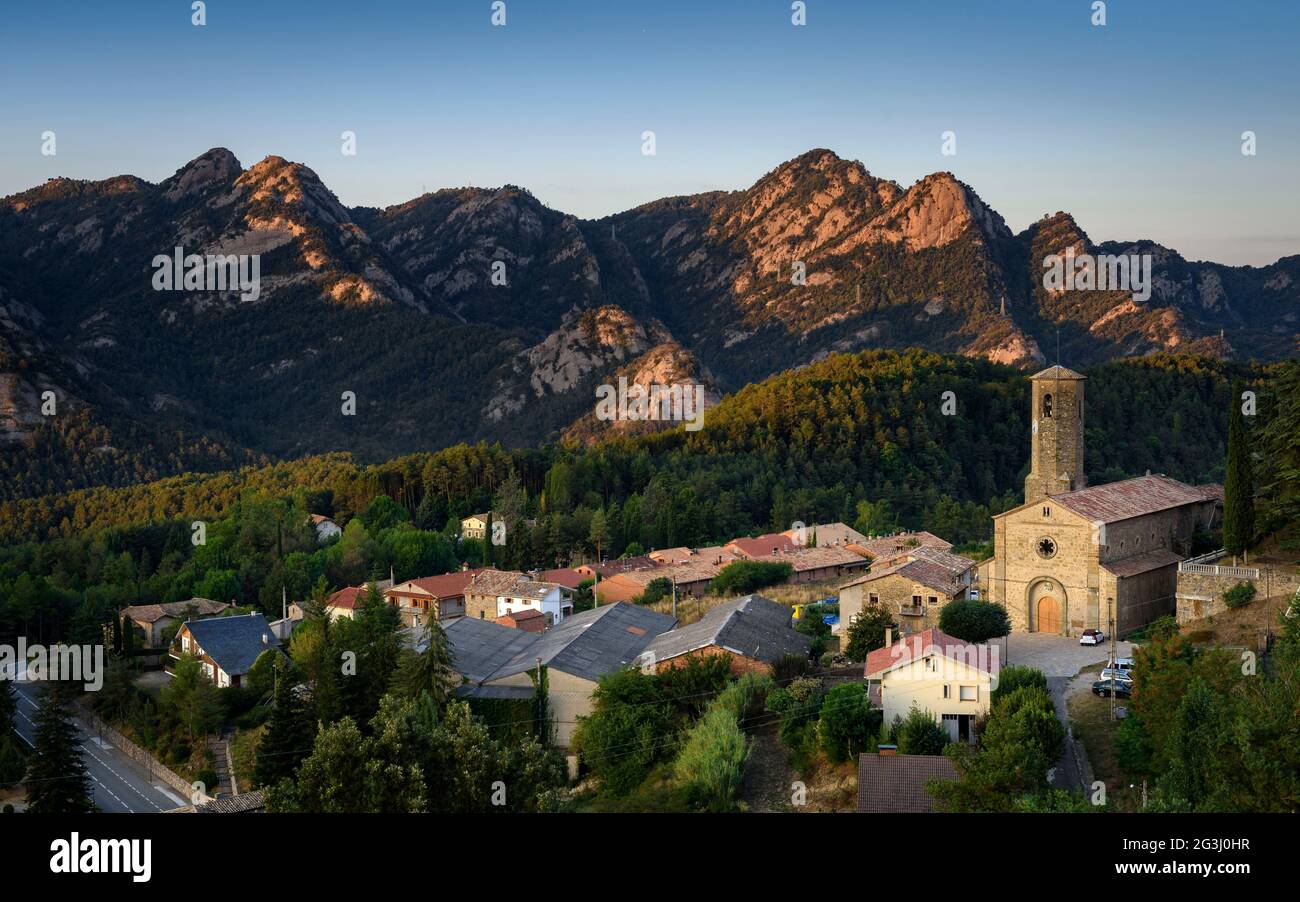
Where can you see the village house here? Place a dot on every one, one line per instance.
(1076, 557)
(344, 602)
(326, 528)
(714, 556)
(227, 647)
(576, 653)
(690, 579)
(890, 783)
(568, 577)
(915, 587)
(606, 569)
(548, 599)
(484, 590)
(441, 597)
(823, 535)
(752, 632)
(945, 677)
(152, 621)
(818, 564)
(762, 547)
(880, 550)
(530, 620)
(475, 526)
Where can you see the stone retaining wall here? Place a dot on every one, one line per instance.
(142, 756)
(1201, 594)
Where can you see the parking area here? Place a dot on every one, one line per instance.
(1057, 656)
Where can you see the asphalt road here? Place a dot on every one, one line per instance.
(117, 782)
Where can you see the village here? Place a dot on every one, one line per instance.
(878, 652)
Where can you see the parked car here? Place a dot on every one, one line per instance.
(1121, 688)
(1092, 637)
(1116, 673)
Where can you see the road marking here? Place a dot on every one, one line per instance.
(123, 779)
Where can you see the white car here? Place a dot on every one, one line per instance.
(1121, 669)
(1092, 637)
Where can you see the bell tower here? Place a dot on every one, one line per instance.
(1056, 458)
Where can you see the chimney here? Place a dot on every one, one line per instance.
(888, 751)
(889, 637)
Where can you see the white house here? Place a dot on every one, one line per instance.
(325, 527)
(551, 599)
(934, 672)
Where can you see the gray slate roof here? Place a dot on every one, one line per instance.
(895, 784)
(754, 626)
(233, 642)
(588, 645)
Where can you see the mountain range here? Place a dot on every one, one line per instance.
(482, 314)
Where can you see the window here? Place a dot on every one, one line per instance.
(970, 693)
(947, 691)
(1047, 407)
(1047, 512)
(930, 664)
(1046, 547)
(916, 601)
(934, 599)
(874, 598)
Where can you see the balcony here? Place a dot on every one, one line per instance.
(911, 610)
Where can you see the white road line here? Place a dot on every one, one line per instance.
(120, 777)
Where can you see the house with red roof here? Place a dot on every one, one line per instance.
(440, 597)
(931, 671)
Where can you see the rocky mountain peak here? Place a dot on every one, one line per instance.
(216, 168)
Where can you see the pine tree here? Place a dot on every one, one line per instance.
(431, 672)
(57, 778)
(289, 733)
(1238, 488)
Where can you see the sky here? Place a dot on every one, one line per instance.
(1134, 127)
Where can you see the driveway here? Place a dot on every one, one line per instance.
(1060, 658)
(1056, 656)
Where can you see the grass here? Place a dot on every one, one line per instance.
(1090, 720)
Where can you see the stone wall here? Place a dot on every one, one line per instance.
(142, 756)
(1200, 595)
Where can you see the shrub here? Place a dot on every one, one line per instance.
(1015, 677)
(744, 698)
(867, 631)
(972, 620)
(919, 734)
(655, 590)
(1240, 594)
(787, 668)
(848, 725)
(692, 684)
(628, 731)
(743, 577)
(712, 760)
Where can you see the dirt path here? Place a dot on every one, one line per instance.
(768, 774)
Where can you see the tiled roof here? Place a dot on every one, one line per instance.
(753, 626)
(1057, 372)
(895, 784)
(233, 642)
(935, 569)
(1143, 563)
(888, 546)
(564, 576)
(803, 559)
(828, 534)
(152, 613)
(244, 803)
(586, 645)
(623, 565)
(347, 599)
(1128, 498)
(446, 585)
(919, 645)
(493, 582)
(764, 545)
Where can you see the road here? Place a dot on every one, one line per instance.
(118, 783)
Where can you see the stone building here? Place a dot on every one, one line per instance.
(915, 587)
(1072, 557)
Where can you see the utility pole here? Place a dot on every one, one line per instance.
(1110, 625)
(674, 579)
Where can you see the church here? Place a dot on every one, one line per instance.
(1073, 556)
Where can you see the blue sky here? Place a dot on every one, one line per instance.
(1133, 127)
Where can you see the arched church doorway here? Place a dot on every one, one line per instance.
(1049, 615)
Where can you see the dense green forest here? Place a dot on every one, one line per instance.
(858, 438)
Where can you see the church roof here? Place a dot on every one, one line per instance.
(1130, 498)
(1143, 563)
(1057, 372)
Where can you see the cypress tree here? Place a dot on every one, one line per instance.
(57, 778)
(1238, 488)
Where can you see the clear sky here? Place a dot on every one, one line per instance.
(1134, 127)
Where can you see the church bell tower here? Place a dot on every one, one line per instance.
(1056, 459)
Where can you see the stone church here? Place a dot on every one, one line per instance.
(1073, 556)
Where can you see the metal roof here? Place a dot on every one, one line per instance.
(754, 626)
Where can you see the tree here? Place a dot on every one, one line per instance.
(1238, 486)
(1014, 677)
(974, 621)
(848, 725)
(743, 577)
(431, 671)
(626, 732)
(58, 782)
(867, 632)
(12, 762)
(918, 734)
(599, 536)
(289, 734)
(192, 698)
